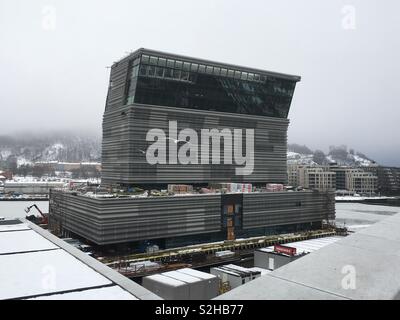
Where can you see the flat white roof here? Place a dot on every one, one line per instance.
(238, 268)
(35, 264)
(23, 241)
(262, 270)
(44, 272)
(181, 276)
(107, 293)
(307, 246)
(232, 272)
(13, 227)
(371, 256)
(166, 280)
(196, 273)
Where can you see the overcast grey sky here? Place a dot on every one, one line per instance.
(53, 58)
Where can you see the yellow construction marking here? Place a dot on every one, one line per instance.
(233, 245)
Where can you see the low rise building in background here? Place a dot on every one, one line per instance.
(343, 179)
(311, 177)
(361, 182)
(388, 179)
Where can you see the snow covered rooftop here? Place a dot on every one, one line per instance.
(307, 246)
(196, 273)
(361, 266)
(166, 280)
(37, 265)
(181, 276)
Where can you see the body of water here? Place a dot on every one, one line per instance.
(15, 209)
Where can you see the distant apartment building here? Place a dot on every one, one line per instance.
(361, 181)
(355, 180)
(292, 175)
(340, 175)
(388, 179)
(311, 177)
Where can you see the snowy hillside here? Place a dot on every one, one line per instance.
(27, 149)
(303, 155)
(298, 158)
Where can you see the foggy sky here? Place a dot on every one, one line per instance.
(54, 54)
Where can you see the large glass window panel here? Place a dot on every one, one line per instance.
(202, 68)
(168, 73)
(185, 75)
(231, 73)
(162, 62)
(177, 74)
(238, 74)
(159, 72)
(224, 72)
(143, 70)
(170, 63)
(186, 66)
(205, 91)
(209, 69)
(153, 60)
(178, 64)
(145, 59)
(217, 71)
(151, 71)
(194, 67)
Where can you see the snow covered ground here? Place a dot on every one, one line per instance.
(298, 158)
(357, 216)
(353, 198)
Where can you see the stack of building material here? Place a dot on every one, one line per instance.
(274, 187)
(235, 275)
(144, 266)
(224, 254)
(180, 188)
(235, 187)
(183, 284)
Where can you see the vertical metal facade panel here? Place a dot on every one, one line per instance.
(282, 208)
(119, 220)
(124, 146)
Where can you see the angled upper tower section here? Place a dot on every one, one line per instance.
(149, 89)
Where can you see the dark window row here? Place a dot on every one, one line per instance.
(160, 81)
(201, 68)
(206, 92)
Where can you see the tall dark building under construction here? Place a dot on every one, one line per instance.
(152, 90)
